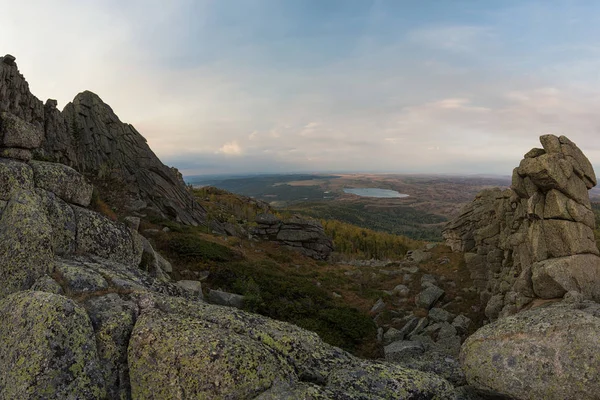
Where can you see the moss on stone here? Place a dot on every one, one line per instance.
(47, 349)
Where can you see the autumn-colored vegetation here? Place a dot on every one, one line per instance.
(358, 242)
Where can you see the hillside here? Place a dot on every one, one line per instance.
(431, 202)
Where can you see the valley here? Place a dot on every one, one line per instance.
(431, 199)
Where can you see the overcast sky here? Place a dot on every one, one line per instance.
(234, 86)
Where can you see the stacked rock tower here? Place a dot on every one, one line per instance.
(536, 239)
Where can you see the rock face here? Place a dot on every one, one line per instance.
(550, 352)
(304, 235)
(536, 239)
(89, 137)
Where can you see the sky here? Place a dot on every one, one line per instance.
(267, 86)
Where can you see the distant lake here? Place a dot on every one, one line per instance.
(374, 192)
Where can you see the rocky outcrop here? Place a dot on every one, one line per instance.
(88, 136)
(297, 233)
(536, 239)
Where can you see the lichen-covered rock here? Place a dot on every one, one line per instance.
(550, 352)
(15, 132)
(113, 319)
(427, 298)
(62, 219)
(14, 176)
(17, 154)
(194, 288)
(97, 235)
(122, 278)
(300, 234)
(554, 277)
(152, 262)
(26, 245)
(300, 390)
(209, 365)
(79, 279)
(401, 349)
(226, 299)
(386, 382)
(63, 181)
(47, 284)
(47, 349)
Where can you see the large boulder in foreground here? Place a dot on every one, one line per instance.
(551, 352)
(47, 349)
(231, 354)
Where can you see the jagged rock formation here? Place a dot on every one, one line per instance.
(536, 239)
(89, 137)
(302, 234)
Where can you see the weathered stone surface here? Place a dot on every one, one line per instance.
(439, 315)
(113, 319)
(63, 181)
(210, 365)
(47, 349)
(550, 143)
(79, 279)
(62, 221)
(392, 335)
(438, 363)
(99, 236)
(427, 298)
(581, 165)
(14, 176)
(548, 171)
(47, 284)
(564, 238)
(380, 382)
(152, 262)
(300, 234)
(17, 154)
(554, 277)
(15, 96)
(546, 216)
(401, 349)
(26, 245)
(226, 299)
(15, 132)
(549, 353)
(194, 288)
(106, 147)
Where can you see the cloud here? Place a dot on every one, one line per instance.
(453, 38)
(231, 148)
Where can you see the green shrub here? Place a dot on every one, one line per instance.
(189, 246)
(272, 291)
